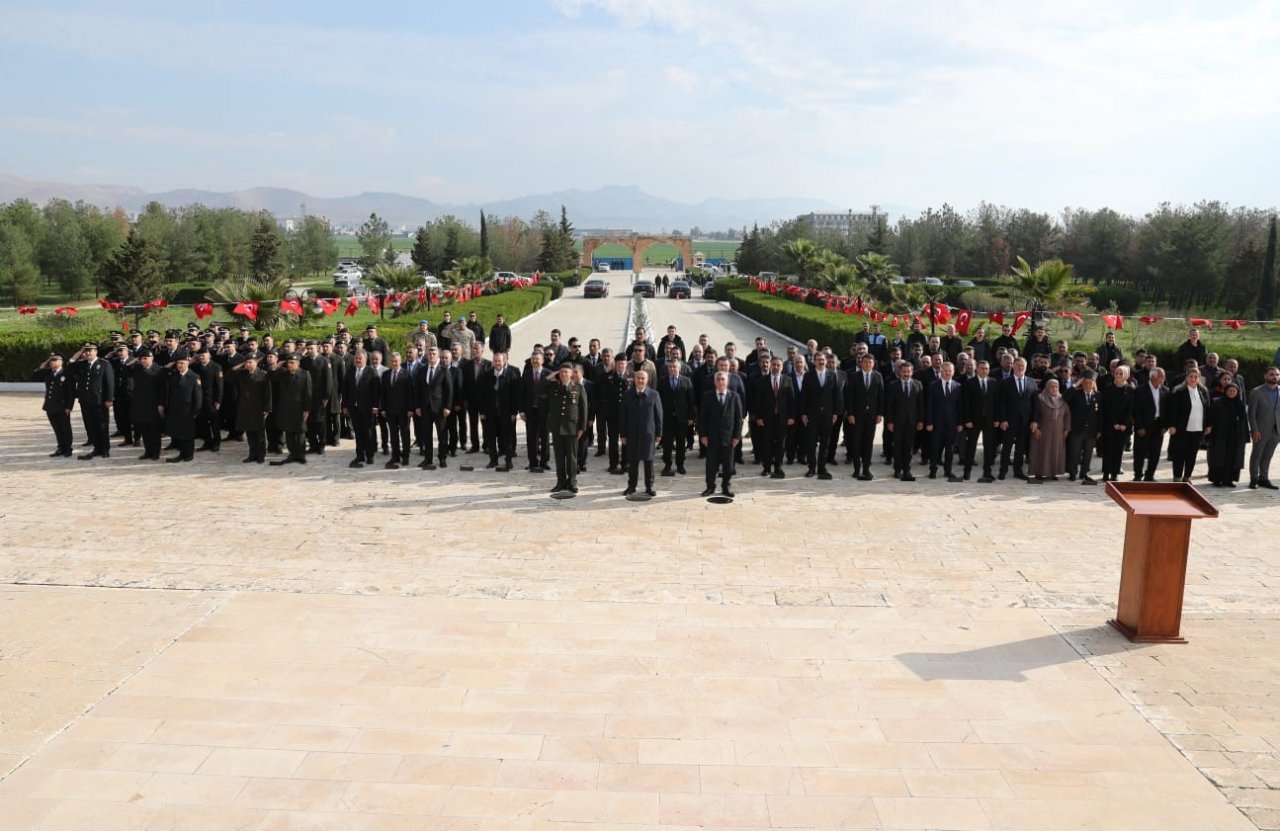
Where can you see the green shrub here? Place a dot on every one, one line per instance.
(187, 295)
(1126, 300)
(981, 300)
(556, 287)
(799, 321)
(725, 286)
(1254, 360)
(571, 277)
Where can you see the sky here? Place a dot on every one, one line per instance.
(1042, 105)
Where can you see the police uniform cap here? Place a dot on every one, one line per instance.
(144, 352)
(54, 356)
(155, 332)
(117, 334)
(292, 356)
(244, 327)
(89, 345)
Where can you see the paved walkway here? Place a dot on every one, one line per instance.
(217, 647)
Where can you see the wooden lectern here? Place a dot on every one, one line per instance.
(1154, 572)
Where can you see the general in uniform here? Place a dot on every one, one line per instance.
(566, 415)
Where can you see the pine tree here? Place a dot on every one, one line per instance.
(266, 262)
(452, 248)
(1267, 291)
(484, 236)
(751, 252)
(374, 236)
(566, 254)
(135, 275)
(423, 256)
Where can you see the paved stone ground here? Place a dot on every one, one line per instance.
(217, 647)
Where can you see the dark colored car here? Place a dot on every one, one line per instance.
(680, 290)
(709, 289)
(644, 288)
(595, 287)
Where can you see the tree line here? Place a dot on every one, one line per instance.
(1202, 255)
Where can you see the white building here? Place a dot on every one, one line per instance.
(841, 223)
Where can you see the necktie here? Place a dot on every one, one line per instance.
(431, 374)
(866, 380)
(775, 385)
(673, 385)
(983, 383)
(721, 399)
(393, 376)
(359, 372)
(906, 388)
(948, 389)
(1018, 381)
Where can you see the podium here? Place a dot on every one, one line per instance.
(1154, 572)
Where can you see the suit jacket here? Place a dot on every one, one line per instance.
(95, 383)
(1085, 410)
(821, 401)
(471, 379)
(500, 392)
(365, 395)
(59, 390)
(1015, 407)
(776, 408)
(1180, 407)
(942, 411)
(1264, 417)
(434, 396)
(862, 401)
(904, 409)
(398, 398)
(1144, 408)
(640, 422)
(976, 407)
(721, 423)
(533, 396)
(678, 405)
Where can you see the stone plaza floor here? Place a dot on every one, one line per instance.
(219, 645)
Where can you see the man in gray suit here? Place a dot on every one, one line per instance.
(1264, 422)
(640, 428)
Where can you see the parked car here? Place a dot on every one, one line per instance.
(932, 281)
(680, 290)
(709, 289)
(766, 276)
(602, 266)
(644, 288)
(505, 276)
(431, 283)
(964, 284)
(347, 279)
(595, 287)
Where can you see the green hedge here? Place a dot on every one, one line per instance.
(22, 352)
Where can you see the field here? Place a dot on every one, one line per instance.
(664, 253)
(350, 246)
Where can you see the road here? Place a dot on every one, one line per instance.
(606, 319)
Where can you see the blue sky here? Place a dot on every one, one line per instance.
(902, 103)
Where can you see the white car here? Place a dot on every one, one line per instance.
(347, 279)
(431, 283)
(506, 276)
(603, 267)
(932, 281)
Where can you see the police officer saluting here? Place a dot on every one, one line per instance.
(96, 390)
(566, 422)
(59, 400)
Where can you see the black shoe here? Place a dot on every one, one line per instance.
(907, 477)
(1085, 480)
(55, 454)
(492, 464)
(444, 462)
(651, 491)
(559, 487)
(953, 478)
(1266, 483)
(865, 477)
(144, 457)
(582, 468)
(667, 471)
(128, 444)
(573, 489)
(279, 462)
(986, 480)
(1149, 478)
(727, 492)
(247, 460)
(777, 474)
(680, 470)
(809, 473)
(473, 450)
(1035, 480)
(933, 474)
(427, 466)
(629, 491)
(356, 463)
(84, 457)
(708, 491)
(1253, 483)
(1002, 475)
(1017, 474)
(175, 459)
(825, 475)
(202, 448)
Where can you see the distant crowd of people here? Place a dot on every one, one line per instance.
(1038, 409)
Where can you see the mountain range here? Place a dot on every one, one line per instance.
(606, 207)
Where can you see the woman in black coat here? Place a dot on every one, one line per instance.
(1230, 422)
(1189, 422)
(1115, 420)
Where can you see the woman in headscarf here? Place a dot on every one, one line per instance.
(1050, 425)
(1230, 423)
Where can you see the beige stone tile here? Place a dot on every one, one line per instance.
(750, 779)
(349, 767)
(957, 783)
(493, 746)
(496, 803)
(418, 799)
(555, 776)
(192, 790)
(243, 761)
(851, 782)
(923, 812)
(582, 749)
(823, 812)
(686, 752)
(659, 779)
(157, 758)
(714, 810)
(291, 794)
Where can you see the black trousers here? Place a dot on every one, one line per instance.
(438, 423)
(97, 425)
(60, 421)
(904, 444)
(609, 437)
(316, 427)
(1185, 447)
(295, 443)
(633, 472)
(773, 443)
(257, 444)
(331, 429)
(990, 445)
(274, 438)
(500, 435)
(1014, 444)
(124, 419)
(473, 420)
(818, 442)
(600, 435)
(861, 441)
(401, 448)
(942, 447)
(1113, 442)
(535, 438)
(186, 448)
(1080, 452)
(150, 435)
(719, 462)
(208, 430)
(833, 440)
(366, 438)
(1146, 452)
(673, 442)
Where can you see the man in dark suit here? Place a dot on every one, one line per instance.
(978, 412)
(456, 422)
(473, 369)
(499, 392)
(720, 432)
(639, 428)
(361, 400)
(904, 416)
(820, 407)
(864, 405)
(208, 421)
(95, 385)
(775, 413)
(398, 408)
(943, 421)
(183, 403)
(1013, 417)
(1082, 399)
(147, 397)
(373, 343)
(1150, 423)
(434, 403)
(533, 412)
(678, 411)
(59, 400)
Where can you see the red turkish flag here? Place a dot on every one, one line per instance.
(291, 306)
(1149, 319)
(374, 304)
(995, 317)
(1019, 319)
(249, 310)
(1113, 321)
(1234, 324)
(202, 310)
(353, 306)
(69, 311)
(1073, 315)
(27, 310)
(1200, 322)
(963, 321)
(328, 306)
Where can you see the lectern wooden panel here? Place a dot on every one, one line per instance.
(1153, 574)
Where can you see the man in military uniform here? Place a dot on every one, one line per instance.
(610, 393)
(96, 390)
(253, 406)
(119, 359)
(566, 416)
(59, 399)
(147, 398)
(292, 398)
(182, 405)
(208, 423)
(322, 391)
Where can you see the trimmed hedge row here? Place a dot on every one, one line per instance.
(22, 352)
(802, 321)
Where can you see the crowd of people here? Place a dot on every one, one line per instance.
(1040, 410)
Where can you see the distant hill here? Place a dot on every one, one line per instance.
(607, 207)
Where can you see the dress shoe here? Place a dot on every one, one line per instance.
(444, 462)
(809, 473)
(825, 475)
(1035, 480)
(777, 474)
(559, 487)
(128, 444)
(986, 480)
(473, 451)
(1002, 475)
(680, 469)
(247, 460)
(1151, 477)
(629, 491)
(1253, 484)
(933, 474)
(1017, 474)
(144, 457)
(86, 456)
(55, 454)
(1266, 483)
(953, 478)
(866, 477)
(1085, 480)
(666, 471)
(708, 491)
(174, 459)
(907, 477)
(491, 465)
(727, 492)
(391, 465)
(572, 489)
(356, 463)
(651, 491)
(427, 466)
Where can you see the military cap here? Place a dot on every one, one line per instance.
(144, 352)
(89, 345)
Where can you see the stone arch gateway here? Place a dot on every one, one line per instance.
(637, 243)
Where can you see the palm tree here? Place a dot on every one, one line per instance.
(396, 277)
(839, 276)
(876, 270)
(265, 293)
(469, 270)
(1048, 285)
(805, 256)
